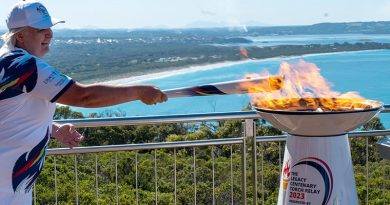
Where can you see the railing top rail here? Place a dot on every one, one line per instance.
(195, 143)
(159, 119)
(144, 146)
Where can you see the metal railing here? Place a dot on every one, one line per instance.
(248, 136)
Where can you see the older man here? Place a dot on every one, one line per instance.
(29, 88)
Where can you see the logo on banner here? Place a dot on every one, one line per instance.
(311, 182)
(286, 175)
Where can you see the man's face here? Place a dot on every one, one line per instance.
(34, 41)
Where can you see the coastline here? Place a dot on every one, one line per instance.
(344, 79)
(171, 71)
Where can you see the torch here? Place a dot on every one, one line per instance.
(264, 84)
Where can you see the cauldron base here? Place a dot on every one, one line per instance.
(317, 170)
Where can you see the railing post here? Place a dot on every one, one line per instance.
(55, 180)
(76, 179)
(194, 165)
(35, 195)
(96, 179)
(116, 178)
(231, 176)
(175, 177)
(136, 177)
(250, 133)
(366, 138)
(243, 165)
(155, 177)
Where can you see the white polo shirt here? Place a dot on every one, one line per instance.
(29, 88)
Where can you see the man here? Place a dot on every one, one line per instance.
(29, 89)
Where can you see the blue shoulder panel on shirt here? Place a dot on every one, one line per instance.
(18, 74)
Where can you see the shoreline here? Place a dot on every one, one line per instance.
(172, 71)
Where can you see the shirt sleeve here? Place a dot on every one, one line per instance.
(51, 84)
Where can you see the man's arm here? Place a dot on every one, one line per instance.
(98, 95)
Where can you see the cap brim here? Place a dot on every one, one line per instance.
(47, 23)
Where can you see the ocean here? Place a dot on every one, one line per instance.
(366, 72)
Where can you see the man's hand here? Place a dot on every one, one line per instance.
(151, 95)
(67, 135)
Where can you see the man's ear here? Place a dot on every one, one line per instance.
(19, 37)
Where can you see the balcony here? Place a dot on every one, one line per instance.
(217, 180)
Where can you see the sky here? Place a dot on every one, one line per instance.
(190, 13)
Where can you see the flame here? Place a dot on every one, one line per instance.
(303, 89)
(244, 52)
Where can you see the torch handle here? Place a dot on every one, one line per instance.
(262, 84)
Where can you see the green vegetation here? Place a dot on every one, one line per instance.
(378, 178)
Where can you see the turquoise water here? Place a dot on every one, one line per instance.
(318, 39)
(366, 72)
(264, 41)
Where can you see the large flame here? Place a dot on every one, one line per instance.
(303, 89)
